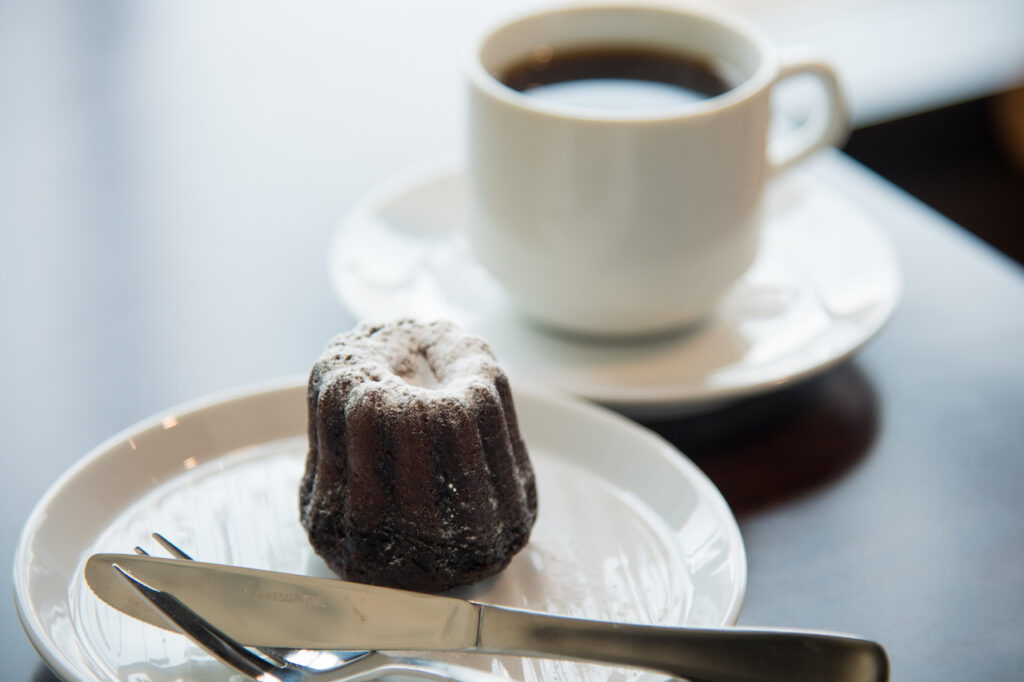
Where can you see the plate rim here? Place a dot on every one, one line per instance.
(63, 666)
(636, 401)
(30, 625)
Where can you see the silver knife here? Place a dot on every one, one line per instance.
(266, 608)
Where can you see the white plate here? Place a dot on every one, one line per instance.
(628, 529)
(824, 283)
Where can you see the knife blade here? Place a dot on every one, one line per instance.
(267, 608)
(264, 608)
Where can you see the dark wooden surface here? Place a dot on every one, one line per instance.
(966, 161)
(167, 190)
(883, 497)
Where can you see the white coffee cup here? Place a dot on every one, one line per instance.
(629, 222)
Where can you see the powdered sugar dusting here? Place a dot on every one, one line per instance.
(407, 358)
(418, 372)
(406, 364)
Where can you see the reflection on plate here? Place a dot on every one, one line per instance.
(824, 283)
(629, 530)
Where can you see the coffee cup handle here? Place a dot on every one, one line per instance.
(826, 125)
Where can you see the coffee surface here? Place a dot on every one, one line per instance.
(615, 78)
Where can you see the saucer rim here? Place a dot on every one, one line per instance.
(642, 402)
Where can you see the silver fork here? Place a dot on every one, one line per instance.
(275, 665)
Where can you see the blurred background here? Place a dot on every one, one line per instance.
(175, 132)
(195, 139)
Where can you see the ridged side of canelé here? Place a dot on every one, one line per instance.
(423, 488)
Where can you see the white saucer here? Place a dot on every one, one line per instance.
(826, 281)
(628, 529)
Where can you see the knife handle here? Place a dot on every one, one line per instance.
(698, 654)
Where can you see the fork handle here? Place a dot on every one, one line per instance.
(698, 654)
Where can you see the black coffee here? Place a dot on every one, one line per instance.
(616, 78)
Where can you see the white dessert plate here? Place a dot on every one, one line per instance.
(825, 282)
(628, 529)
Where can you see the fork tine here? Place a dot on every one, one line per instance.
(172, 548)
(179, 553)
(201, 632)
(358, 666)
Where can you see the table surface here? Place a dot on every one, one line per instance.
(171, 174)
